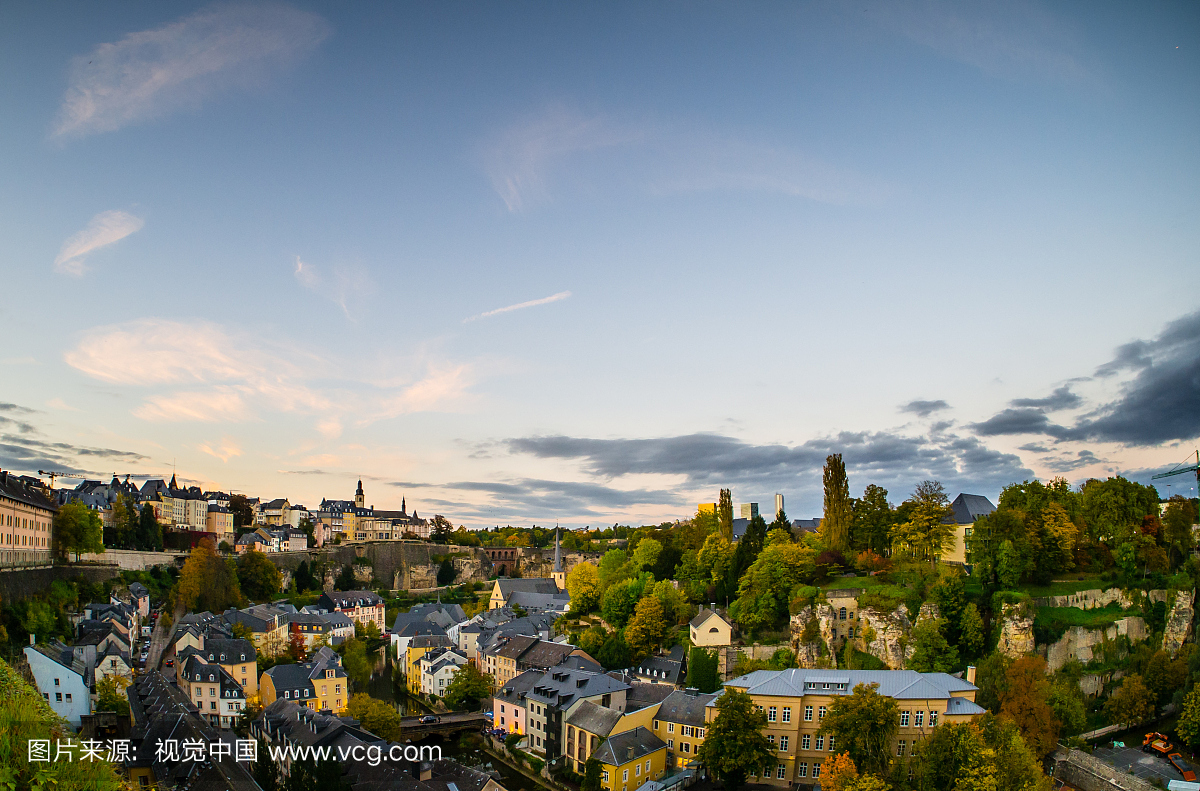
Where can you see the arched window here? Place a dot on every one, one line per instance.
(842, 615)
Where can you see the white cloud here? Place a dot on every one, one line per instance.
(520, 306)
(58, 403)
(153, 72)
(438, 389)
(107, 227)
(344, 286)
(225, 451)
(166, 352)
(220, 404)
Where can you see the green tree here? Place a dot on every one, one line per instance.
(991, 676)
(1009, 566)
(583, 584)
(265, 772)
(1132, 703)
(929, 531)
(863, 724)
(872, 520)
(836, 524)
(717, 556)
(345, 579)
(617, 604)
(208, 582)
(355, 661)
(674, 605)
(467, 688)
(765, 590)
(111, 695)
(591, 776)
(750, 545)
(645, 555)
(1178, 519)
(612, 568)
(1188, 726)
(1066, 700)
(303, 578)
(446, 572)
(970, 631)
(257, 575)
(725, 513)
(77, 529)
(950, 595)
(702, 670)
(377, 716)
(647, 628)
(243, 513)
(735, 745)
(149, 532)
(781, 522)
(614, 654)
(931, 652)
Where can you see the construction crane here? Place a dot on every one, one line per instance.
(54, 475)
(1181, 470)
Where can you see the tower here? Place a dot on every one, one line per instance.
(360, 499)
(778, 503)
(558, 575)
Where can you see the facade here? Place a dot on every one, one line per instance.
(438, 669)
(556, 695)
(219, 522)
(320, 684)
(679, 722)
(504, 588)
(629, 759)
(268, 627)
(709, 628)
(590, 725)
(362, 607)
(797, 700)
(218, 698)
(967, 509)
(26, 521)
(63, 679)
(237, 657)
(418, 648)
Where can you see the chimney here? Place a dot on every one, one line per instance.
(970, 674)
(692, 691)
(628, 754)
(33, 639)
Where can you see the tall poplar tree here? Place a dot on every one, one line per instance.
(725, 513)
(835, 527)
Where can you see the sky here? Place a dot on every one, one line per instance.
(589, 263)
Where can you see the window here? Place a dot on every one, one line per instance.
(831, 738)
(58, 697)
(933, 719)
(816, 771)
(787, 713)
(287, 695)
(670, 727)
(842, 614)
(783, 744)
(900, 747)
(687, 747)
(625, 776)
(919, 719)
(637, 770)
(771, 714)
(808, 713)
(820, 741)
(670, 744)
(805, 741)
(802, 770)
(647, 766)
(780, 771)
(771, 739)
(904, 719)
(655, 725)
(56, 682)
(820, 712)
(604, 776)
(700, 733)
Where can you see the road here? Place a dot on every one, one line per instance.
(449, 722)
(158, 640)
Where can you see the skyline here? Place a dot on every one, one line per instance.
(592, 264)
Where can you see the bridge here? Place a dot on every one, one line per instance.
(413, 728)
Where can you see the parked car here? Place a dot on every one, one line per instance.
(429, 719)
(170, 663)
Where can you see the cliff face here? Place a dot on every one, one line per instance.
(1079, 642)
(1179, 621)
(890, 632)
(810, 630)
(1016, 631)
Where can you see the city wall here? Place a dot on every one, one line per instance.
(18, 584)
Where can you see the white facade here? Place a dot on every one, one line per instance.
(437, 675)
(64, 689)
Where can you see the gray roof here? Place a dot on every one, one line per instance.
(969, 507)
(352, 598)
(685, 706)
(229, 650)
(596, 719)
(667, 669)
(527, 600)
(628, 747)
(533, 585)
(958, 705)
(899, 684)
(138, 589)
(702, 616)
(562, 687)
(14, 487)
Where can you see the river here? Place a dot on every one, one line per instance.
(466, 748)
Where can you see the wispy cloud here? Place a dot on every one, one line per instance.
(226, 450)
(924, 408)
(533, 303)
(343, 286)
(107, 227)
(150, 73)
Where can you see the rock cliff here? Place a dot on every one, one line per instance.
(1079, 642)
(1016, 631)
(1179, 621)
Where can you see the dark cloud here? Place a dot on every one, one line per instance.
(24, 410)
(1067, 463)
(924, 408)
(26, 454)
(1157, 405)
(19, 425)
(1062, 398)
(1033, 447)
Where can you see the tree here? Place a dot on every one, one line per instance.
(872, 520)
(991, 676)
(717, 556)
(735, 745)
(781, 522)
(303, 578)
(702, 670)
(591, 775)
(259, 578)
(243, 512)
(77, 529)
(725, 513)
(645, 555)
(467, 688)
(1064, 534)
(863, 723)
(441, 529)
(309, 529)
(765, 590)
(124, 522)
(970, 631)
(647, 628)
(1188, 726)
(345, 579)
(674, 605)
(835, 526)
(1066, 700)
(929, 531)
(931, 652)
(149, 533)
(111, 695)
(354, 660)
(838, 772)
(583, 584)
(266, 773)
(208, 582)
(446, 572)
(1178, 519)
(950, 595)
(750, 544)
(614, 654)
(377, 716)
(1026, 703)
(618, 603)
(612, 568)
(1130, 704)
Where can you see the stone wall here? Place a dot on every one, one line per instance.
(1016, 631)
(17, 584)
(888, 634)
(1088, 773)
(402, 564)
(135, 560)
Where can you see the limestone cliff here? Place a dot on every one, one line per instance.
(1079, 642)
(1179, 621)
(885, 634)
(1016, 630)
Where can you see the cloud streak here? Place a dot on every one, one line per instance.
(108, 227)
(533, 303)
(344, 286)
(151, 73)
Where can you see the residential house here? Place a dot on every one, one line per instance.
(590, 724)
(268, 626)
(362, 607)
(63, 678)
(274, 513)
(418, 647)
(797, 700)
(679, 721)
(140, 595)
(287, 724)
(258, 539)
(236, 656)
(320, 684)
(670, 668)
(218, 697)
(113, 662)
(438, 668)
(630, 759)
(967, 508)
(517, 654)
(508, 702)
(555, 697)
(26, 521)
(219, 522)
(503, 588)
(709, 629)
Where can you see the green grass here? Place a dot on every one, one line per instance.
(1051, 623)
(841, 583)
(1065, 587)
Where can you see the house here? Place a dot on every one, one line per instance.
(967, 508)
(418, 647)
(320, 684)
(219, 522)
(709, 628)
(503, 588)
(362, 607)
(629, 759)
(63, 678)
(218, 698)
(112, 662)
(797, 700)
(679, 721)
(590, 725)
(556, 695)
(268, 626)
(508, 702)
(290, 540)
(255, 540)
(274, 513)
(520, 653)
(26, 521)
(287, 724)
(438, 668)
(666, 669)
(236, 656)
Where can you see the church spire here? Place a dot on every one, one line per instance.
(403, 506)
(557, 550)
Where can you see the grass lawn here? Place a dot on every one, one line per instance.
(1073, 616)
(1065, 587)
(852, 582)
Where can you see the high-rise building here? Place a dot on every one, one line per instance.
(778, 504)
(749, 510)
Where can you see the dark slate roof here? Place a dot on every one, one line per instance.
(138, 589)
(739, 528)
(628, 747)
(532, 585)
(229, 651)
(516, 647)
(702, 616)
(416, 628)
(14, 488)
(969, 507)
(562, 687)
(341, 599)
(806, 525)
(596, 719)
(686, 706)
(666, 669)
(516, 687)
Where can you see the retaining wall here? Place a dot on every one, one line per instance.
(1080, 770)
(17, 584)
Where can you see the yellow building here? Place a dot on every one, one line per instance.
(26, 522)
(319, 684)
(967, 509)
(796, 701)
(590, 725)
(710, 629)
(629, 759)
(679, 721)
(418, 647)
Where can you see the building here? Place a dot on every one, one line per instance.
(268, 627)
(218, 698)
(27, 521)
(508, 703)
(797, 700)
(506, 660)
(362, 607)
(219, 522)
(590, 725)
(504, 588)
(664, 669)
(710, 629)
(438, 668)
(288, 724)
(418, 648)
(748, 511)
(778, 505)
(63, 678)
(235, 656)
(273, 514)
(556, 695)
(679, 722)
(140, 598)
(319, 684)
(629, 759)
(967, 509)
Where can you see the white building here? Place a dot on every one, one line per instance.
(63, 679)
(438, 669)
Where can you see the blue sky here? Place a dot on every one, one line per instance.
(273, 245)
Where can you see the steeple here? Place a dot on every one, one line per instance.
(557, 574)
(173, 486)
(360, 499)
(403, 506)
